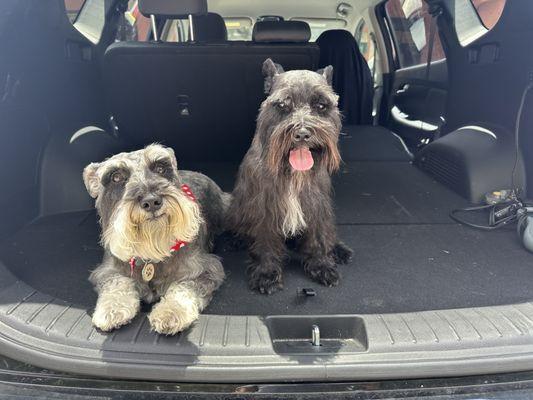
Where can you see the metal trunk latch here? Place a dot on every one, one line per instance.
(315, 335)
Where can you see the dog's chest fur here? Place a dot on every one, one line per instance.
(294, 217)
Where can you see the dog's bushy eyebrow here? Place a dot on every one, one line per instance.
(319, 92)
(159, 160)
(112, 167)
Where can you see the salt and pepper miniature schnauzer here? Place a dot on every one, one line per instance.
(283, 188)
(158, 225)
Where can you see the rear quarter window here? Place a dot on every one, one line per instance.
(489, 11)
(88, 16)
(73, 7)
(474, 18)
(411, 24)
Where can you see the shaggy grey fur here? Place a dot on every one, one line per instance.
(274, 203)
(186, 280)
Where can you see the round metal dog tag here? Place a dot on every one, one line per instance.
(148, 272)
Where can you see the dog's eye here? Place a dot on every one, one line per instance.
(321, 106)
(117, 176)
(281, 105)
(160, 169)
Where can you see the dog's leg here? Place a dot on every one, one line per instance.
(183, 301)
(118, 303)
(341, 253)
(317, 247)
(268, 253)
(177, 309)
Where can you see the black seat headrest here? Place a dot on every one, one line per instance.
(337, 39)
(281, 32)
(209, 27)
(173, 9)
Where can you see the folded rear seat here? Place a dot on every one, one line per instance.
(200, 98)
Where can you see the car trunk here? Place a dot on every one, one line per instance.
(408, 254)
(422, 297)
(419, 285)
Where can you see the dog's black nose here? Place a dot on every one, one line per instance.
(302, 134)
(151, 202)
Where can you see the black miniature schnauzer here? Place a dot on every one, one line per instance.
(283, 189)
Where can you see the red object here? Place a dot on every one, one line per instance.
(179, 243)
(187, 190)
(132, 265)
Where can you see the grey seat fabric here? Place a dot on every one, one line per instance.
(200, 98)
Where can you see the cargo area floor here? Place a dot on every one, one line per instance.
(409, 256)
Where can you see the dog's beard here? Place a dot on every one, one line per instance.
(323, 143)
(277, 153)
(134, 233)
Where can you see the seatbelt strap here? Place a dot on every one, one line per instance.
(435, 12)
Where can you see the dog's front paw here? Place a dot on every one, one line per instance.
(169, 318)
(341, 253)
(265, 282)
(111, 314)
(325, 274)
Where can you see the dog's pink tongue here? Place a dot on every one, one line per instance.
(301, 159)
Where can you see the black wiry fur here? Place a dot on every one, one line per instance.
(298, 101)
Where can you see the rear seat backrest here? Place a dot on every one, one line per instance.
(200, 98)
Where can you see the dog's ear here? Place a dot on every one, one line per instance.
(327, 73)
(270, 70)
(91, 179)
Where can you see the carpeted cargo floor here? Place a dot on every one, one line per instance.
(409, 256)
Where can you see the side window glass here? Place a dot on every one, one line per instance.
(367, 45)
(411, 24)
(489, 11)
(133, 26)
(73, 7)
(239, 28)
(88, 17)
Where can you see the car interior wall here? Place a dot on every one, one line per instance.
(488, 77)
(52, 89)
(24, 122)
(34, 121)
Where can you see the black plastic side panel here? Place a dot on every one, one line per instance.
(61, 183)
(473, 161)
